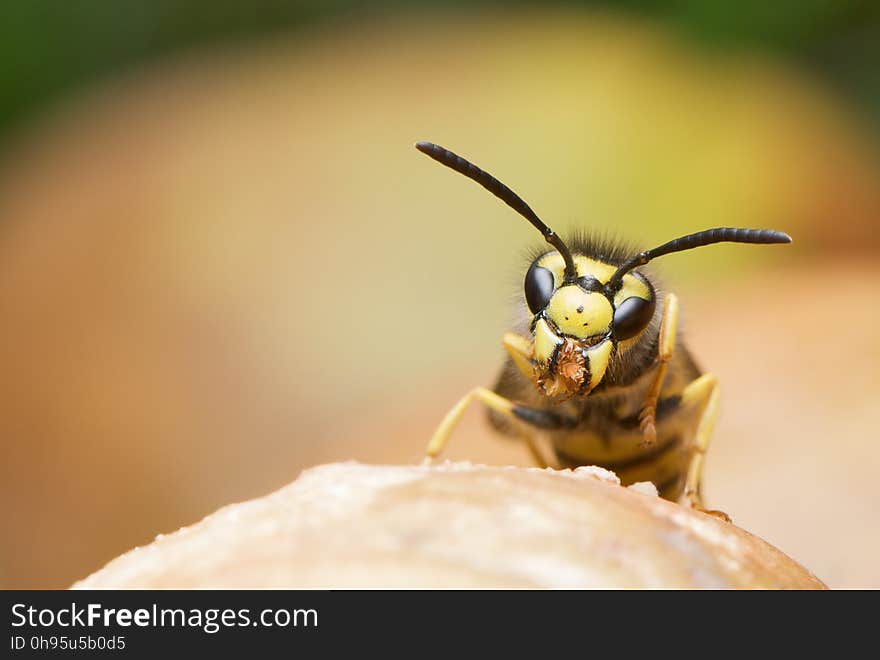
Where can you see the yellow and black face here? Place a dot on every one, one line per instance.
(579, 324)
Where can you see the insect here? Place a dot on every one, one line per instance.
(596, 368)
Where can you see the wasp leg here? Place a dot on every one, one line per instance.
(494, 401)
(520, 351)
(665, 348)
(537, 453)
(703, 393)
(506, 407)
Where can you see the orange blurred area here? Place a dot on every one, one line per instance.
(228, 267)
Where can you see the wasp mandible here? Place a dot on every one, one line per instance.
(596, 366)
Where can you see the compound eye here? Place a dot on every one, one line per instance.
(539, 287)
(632, 316)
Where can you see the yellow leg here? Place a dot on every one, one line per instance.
(520, 351)
(665, 348)
(703, 393)
(494, 401)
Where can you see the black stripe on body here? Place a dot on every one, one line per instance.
(543, 419)
(551, 421)
(652, 454)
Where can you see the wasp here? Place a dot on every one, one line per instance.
(596, 370)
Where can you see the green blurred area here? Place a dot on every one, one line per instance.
(50, 47)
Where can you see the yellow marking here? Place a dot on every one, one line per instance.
(631, 285)
(598, 357)
(553, 262)
(580, 313)
(520, 350)
(546, 342)
(494, 401)
(665, 348)
(703, 393)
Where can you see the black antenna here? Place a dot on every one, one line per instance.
(504, 193)
(701, 238)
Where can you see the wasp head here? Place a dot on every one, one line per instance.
(579, 323)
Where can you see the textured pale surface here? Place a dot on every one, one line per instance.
(455, 525)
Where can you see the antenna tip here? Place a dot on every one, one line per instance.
(781, 237)
(425, 147)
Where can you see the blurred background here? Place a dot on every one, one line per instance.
(222, 261)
